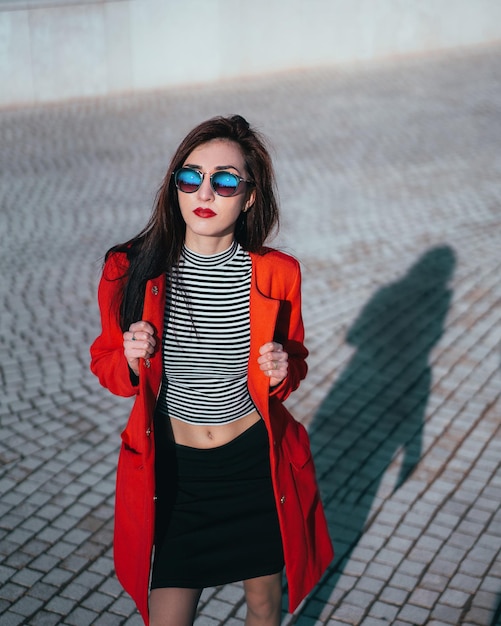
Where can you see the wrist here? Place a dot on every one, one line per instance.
(134, 366)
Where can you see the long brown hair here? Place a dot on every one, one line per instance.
(157, 248)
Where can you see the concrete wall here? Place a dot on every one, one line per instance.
(63, 49)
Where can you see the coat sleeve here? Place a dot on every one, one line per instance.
(290, 333)
(108, 362)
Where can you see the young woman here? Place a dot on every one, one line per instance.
(202, 324)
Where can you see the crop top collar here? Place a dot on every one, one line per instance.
(209, 260)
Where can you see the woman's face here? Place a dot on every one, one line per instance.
(210, 219)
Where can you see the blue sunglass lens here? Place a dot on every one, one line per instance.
(188, 180)
(224, 183)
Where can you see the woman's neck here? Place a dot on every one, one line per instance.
(209, 245)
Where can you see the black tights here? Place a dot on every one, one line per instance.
(173, 606)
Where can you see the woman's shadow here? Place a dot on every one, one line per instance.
(496, 618)
(375, 410)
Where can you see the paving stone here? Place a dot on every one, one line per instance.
(44, 563)
(443, 567)
(383, 610)
(13, 619)
(27, 577)
(414, 614)
(74, 591)
(44, 618)
(43, 591)
(97, 602)
(111, 587)
(479, 615)
(394, 595)
(74, 563)
(232, 594)
(108, 619)
(371, 585)
(6, 573)
(11, 591)
(81, 617)
(26, 606)
(204, 620)
(446, 614)
(123, 606)
(350, 612)
(60, 549)
(134, 620)
(404, 581)
(61, 606)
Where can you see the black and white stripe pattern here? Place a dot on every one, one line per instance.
(207, 339)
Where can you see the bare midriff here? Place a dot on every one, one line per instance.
(197, 436)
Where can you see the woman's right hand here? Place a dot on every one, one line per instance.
(139, 343)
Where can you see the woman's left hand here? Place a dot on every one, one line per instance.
(273, 362)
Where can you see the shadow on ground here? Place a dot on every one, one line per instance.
(496, 620)
(376, 408)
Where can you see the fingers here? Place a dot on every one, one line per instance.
(271, 346)
(273, 361)
(139, 342)
(142, 327)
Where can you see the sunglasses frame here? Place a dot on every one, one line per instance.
(202, 174)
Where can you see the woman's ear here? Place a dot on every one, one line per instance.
(250, 201)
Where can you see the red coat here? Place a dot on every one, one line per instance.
(275, 314)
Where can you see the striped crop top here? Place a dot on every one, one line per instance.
(206, 339)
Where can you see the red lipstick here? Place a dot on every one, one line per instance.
(200, 212)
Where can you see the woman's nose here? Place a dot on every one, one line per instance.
(205, 190)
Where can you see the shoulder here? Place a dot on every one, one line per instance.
(277, 274)
(273, 259)
(115, 266)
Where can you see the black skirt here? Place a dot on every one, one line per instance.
(216, 518)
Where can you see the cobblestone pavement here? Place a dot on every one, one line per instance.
(390, 187)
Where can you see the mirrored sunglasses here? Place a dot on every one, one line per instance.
(226, 184)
